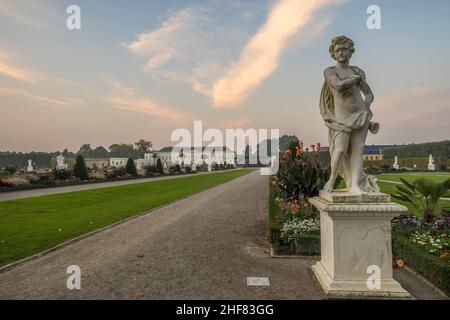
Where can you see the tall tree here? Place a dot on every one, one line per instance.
(143, 145)
(122, 150)
(131, 168)
(85, 150)
(159, 166)
(80, 170)
(100, 152)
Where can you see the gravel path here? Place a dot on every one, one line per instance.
(202, 247)
(5, 196)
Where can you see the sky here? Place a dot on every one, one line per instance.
(141, 69)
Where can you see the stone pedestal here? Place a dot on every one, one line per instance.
(355, 242)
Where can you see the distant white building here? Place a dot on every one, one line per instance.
(141, 163)
(118, 162)
(196, 156)
(97, 163)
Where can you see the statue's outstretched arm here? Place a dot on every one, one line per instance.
(338, 84)
(369, 97)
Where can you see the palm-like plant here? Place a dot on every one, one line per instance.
(423, 194)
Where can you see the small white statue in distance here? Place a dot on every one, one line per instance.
(395, 165)
(347, 116)
(30, 166)
(431, 165)
(60, 163)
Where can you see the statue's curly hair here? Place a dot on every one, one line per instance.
(340, 41)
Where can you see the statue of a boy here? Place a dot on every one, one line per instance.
(347, 116)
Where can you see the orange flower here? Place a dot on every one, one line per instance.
(288, 151)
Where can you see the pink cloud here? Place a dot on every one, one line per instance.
(259, 58)
(16, 73)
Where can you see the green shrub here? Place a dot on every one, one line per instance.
(159, 166)
(62, 174)
(130, 168)
(307, 245)
(115, 173)
(433, 268)
(80, 170)
(151, 170)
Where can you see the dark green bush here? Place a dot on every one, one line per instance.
(80, 170)
(130, 168)
(61, 174)
(159, 166)
(307, 245)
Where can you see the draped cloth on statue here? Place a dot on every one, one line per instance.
(346, 125)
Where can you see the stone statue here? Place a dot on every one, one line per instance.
(30, 166)
(347, 116)
(395, 165)
(431, 165)
(60, 163)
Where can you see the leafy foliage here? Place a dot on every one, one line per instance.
(437, 149)
(423, 194)
(62, 174)
(301, 174)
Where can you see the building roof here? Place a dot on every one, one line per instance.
(377, 148)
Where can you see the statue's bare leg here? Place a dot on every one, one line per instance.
(357, 142)
(340, 149)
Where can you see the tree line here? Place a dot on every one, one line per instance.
(46, 159)
(420, 150)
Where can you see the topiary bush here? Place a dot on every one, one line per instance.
(130, 168)
(159, 166)
(80, 170)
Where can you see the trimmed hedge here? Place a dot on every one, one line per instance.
(308, 245)
(433, 268)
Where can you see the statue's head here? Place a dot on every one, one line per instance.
(341, 48)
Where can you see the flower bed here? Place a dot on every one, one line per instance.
(289, 236)
(293, 222)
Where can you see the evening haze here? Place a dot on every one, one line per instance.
(140, 69)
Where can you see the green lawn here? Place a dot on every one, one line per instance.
(31, 225)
